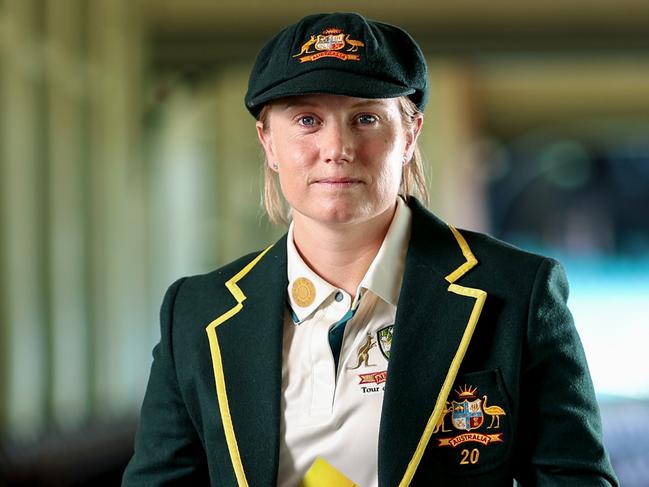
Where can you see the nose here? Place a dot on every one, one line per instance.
(336, 143)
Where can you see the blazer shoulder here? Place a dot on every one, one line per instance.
(488, 247)
(201, 297)
(508, 265)
(436, 232)
(213, 283)
(495, 258)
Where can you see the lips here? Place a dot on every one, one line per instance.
(338, 181)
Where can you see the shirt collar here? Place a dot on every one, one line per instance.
(385, 274)
(298, 269)
(383, 278)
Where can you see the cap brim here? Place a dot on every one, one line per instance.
(332, 82)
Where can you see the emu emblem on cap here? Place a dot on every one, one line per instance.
(329, 43)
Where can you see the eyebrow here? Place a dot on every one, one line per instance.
(368, 102)
(293, 102)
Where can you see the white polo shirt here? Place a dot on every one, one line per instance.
(329, 414)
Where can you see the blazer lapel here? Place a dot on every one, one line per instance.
(246, 349)
(434, 324)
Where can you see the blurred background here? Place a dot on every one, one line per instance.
(127, 159)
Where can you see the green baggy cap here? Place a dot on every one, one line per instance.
(338, 54)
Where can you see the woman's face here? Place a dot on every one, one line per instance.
(339, 158)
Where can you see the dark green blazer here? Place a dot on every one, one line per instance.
(487, 379)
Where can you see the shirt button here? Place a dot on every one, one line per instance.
(339, 296)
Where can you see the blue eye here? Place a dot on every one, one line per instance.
(367, 119)
(307, 121)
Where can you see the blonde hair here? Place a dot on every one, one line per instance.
(413, 179)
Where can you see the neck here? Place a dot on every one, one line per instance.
(341, 254)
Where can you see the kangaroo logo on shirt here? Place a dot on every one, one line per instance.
(385, 340)
(363, 353)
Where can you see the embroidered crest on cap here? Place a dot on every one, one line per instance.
(331, 42)
(303, 292)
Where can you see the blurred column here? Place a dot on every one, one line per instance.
(66, 101)
(4, 362)
(118, 234)
(239, 166)
(23, 314)
(206, 177)
(183, 180)
(449, 144)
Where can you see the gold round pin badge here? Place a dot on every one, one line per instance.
(303, 292)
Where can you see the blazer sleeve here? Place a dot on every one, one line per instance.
(561, 440)
(168, 450)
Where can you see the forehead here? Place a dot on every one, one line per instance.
(335, 102)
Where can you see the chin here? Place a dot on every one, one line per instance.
(340, 211)
(338, 218)
(349, 216)
(332, 215)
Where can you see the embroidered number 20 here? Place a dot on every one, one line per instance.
(470, 457)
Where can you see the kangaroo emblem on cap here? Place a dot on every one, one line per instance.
(306, 46)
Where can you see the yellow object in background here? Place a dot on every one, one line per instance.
(323, 474)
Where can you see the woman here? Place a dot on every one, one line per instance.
(373, 344)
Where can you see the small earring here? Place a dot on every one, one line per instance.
(275, 166)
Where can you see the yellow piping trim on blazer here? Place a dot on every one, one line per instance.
(219, 377)
(480, 297)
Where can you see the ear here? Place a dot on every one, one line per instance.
(411, 138)
(267, 143)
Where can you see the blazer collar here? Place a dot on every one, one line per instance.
(433, 327)
(246, 348)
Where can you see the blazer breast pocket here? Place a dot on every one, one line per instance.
(474, 433)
